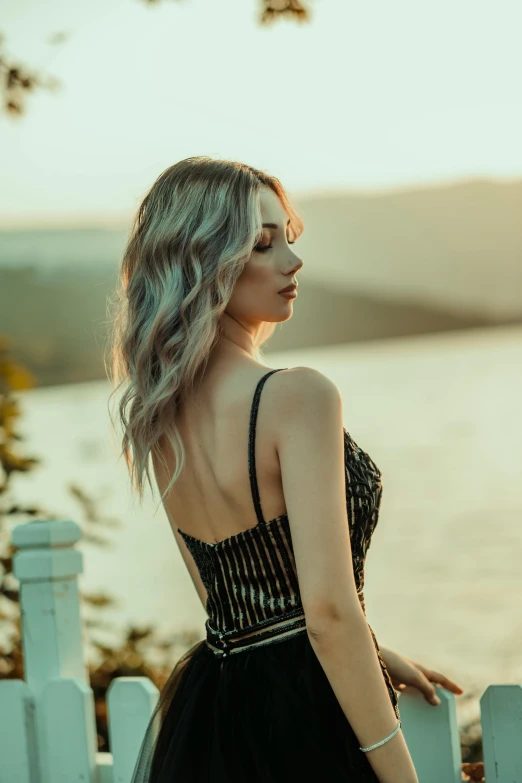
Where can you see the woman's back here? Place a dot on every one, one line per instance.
(212, 498)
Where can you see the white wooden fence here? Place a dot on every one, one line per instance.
(47, 721)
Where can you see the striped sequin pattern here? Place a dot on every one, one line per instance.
(250, 578)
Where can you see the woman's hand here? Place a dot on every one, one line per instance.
(405, 672)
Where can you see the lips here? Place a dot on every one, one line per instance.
(292, 287)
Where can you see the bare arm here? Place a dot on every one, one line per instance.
(310, 445)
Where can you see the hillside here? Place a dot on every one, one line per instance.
(377, 265)
(57, 322)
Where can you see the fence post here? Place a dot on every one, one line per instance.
(47, 567)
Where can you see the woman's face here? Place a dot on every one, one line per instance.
(272, 266)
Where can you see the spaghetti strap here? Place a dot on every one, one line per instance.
(252, 444)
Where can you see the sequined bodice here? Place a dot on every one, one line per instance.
(251, 577)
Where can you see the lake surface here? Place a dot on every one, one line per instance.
(439, 414)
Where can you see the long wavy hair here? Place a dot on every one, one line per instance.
(190, 239)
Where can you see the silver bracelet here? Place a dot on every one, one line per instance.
(365, 750)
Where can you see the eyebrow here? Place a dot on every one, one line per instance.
(274, 225)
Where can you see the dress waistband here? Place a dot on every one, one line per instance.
(272, 630)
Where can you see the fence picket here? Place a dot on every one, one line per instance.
(130, 703)
(18, 757)
(501, 721)
(432, 736)
(68, 731)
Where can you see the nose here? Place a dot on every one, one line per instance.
(298, 263)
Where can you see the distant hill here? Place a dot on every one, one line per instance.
(57, 322)
(376, 266)
(457, 246)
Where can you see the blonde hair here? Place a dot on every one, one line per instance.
(192, 235)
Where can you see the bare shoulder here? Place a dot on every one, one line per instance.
(302, 391)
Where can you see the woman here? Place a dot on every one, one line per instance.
(271, 501)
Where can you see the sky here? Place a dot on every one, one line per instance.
(367, 96)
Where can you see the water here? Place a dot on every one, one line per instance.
(439, 414)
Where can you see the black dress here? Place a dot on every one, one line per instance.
(251, 703)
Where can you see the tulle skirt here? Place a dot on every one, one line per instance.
(265, 715)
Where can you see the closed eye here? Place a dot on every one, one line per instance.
(264, 248)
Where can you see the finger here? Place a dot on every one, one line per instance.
(445, 682)
(440, 679)
(427, 690)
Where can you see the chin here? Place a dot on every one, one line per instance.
(287, 316)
